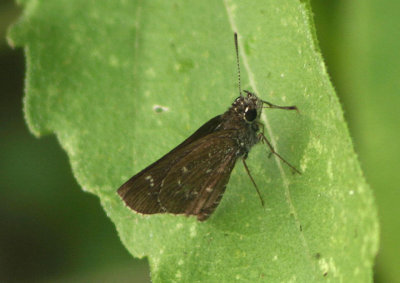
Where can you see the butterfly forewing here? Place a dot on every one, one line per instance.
(141, 191)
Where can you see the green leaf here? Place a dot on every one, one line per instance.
(97, 72)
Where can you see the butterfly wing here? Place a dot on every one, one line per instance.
(191, 182)
(141, 191)
(196, 183)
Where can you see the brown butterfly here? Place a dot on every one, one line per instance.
(191, 179)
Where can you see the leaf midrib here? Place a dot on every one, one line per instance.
(264, 118)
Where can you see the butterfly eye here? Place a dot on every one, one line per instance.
(250, 115)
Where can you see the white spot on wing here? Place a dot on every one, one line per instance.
(150, 178)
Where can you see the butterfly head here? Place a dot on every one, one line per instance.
(248, 106)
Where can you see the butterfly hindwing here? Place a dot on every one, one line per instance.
(196, 183)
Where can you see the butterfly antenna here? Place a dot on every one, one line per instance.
(238, 64)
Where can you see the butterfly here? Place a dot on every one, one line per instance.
(191, 179)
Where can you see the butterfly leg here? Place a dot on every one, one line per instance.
(262, 134)
(252, 180)
(273, 106)
(262, 137)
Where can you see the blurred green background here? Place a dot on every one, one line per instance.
(52, 231)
